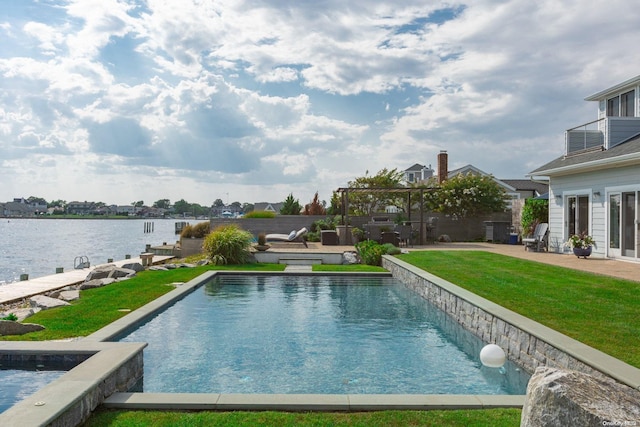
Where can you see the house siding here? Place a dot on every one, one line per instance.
(623, 129)
(587, 184)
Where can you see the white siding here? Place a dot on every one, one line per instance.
(587, 184)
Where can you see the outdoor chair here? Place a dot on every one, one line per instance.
(538, 241)
(293, 237)
(404, 234)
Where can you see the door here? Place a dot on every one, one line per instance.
(577, 215)
(628, 222)
(615, 224)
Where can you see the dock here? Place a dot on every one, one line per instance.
(17, 291)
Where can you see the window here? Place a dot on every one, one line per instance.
(613, 107)
(627, 104)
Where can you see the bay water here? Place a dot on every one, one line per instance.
(38, 246)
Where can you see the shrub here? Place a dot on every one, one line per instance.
(371, 252)
(228, 244)
(260, 214)
(187, 232)
(390, 249)
(262, 239)
(11, 316)
(533, 212)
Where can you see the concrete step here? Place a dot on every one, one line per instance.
(299, 261)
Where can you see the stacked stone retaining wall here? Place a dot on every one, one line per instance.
(526, 343)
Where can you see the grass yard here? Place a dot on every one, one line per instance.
(597, 310)
(471, 418)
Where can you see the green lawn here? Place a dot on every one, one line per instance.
(599, 311)
(472, 418)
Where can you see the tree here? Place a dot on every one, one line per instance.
(218, 203)
(335, 207)
(469, 195)
(290, 206)
(370, 202)
(182, 207)
(534, 212)
(247, 207)
(162, 204)
(36, 200)
(315, 207)
(138, 204)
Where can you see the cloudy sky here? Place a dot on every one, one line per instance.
(119, 101)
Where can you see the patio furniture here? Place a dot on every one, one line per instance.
(538, 240)
(293, 237)
(329, 237)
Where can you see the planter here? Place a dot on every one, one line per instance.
(582, 252)
(261, 248)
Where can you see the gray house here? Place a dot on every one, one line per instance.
(594, 186)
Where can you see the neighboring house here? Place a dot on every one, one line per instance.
(271, 207)
(527, 189)
(595, 185)
(80, 208)
(417, 173)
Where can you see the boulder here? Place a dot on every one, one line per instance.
(117, 273)
(91, 284)
(71, 295)
(21, 313)
(158, 268)
(101, 272)
(135, 266)
(350, 258)
(45, 302)
(8, 327)
(557, 397)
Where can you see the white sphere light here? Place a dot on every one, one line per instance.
(492, 356)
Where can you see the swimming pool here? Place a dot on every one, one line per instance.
(20, 380)
(313, 334)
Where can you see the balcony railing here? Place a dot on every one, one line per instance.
(585, 137)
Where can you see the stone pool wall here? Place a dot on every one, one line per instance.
(526, 343)
(103, 369)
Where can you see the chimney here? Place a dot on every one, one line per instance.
(443, 166)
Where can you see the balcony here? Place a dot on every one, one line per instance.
(601, 134)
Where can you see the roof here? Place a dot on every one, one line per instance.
(416, 167)
(625, 153)
(527, 185)
(474, 170)
(614, 89)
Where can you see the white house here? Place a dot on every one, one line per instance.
(594, 187)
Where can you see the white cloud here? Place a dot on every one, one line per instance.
(263, 97)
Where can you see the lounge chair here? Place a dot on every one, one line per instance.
(538, 240)
(293, 237)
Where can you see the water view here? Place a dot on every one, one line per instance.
(38, 246)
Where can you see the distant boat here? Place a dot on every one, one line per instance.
(227, 214)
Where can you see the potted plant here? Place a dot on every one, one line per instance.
(262, 243)
(581, 244)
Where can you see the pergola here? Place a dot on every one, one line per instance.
(344, 192)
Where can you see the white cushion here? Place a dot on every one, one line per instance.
(292, 235)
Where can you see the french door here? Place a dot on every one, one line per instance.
(577, 215)
(623, 224)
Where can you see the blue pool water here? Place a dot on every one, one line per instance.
(18, 384)
(281, 334)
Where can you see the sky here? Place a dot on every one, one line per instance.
(253, 100)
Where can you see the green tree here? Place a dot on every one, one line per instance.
(315, 207)
(534, 212)
(464, 196)
(162, 204)
(181, 207)
(138, 204)
(247, 207)
(218, 203)
(37, 200)
(291, 206)
(367, 203)
(335, 207)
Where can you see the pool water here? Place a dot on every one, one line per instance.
(308, 334)
(17, 384)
